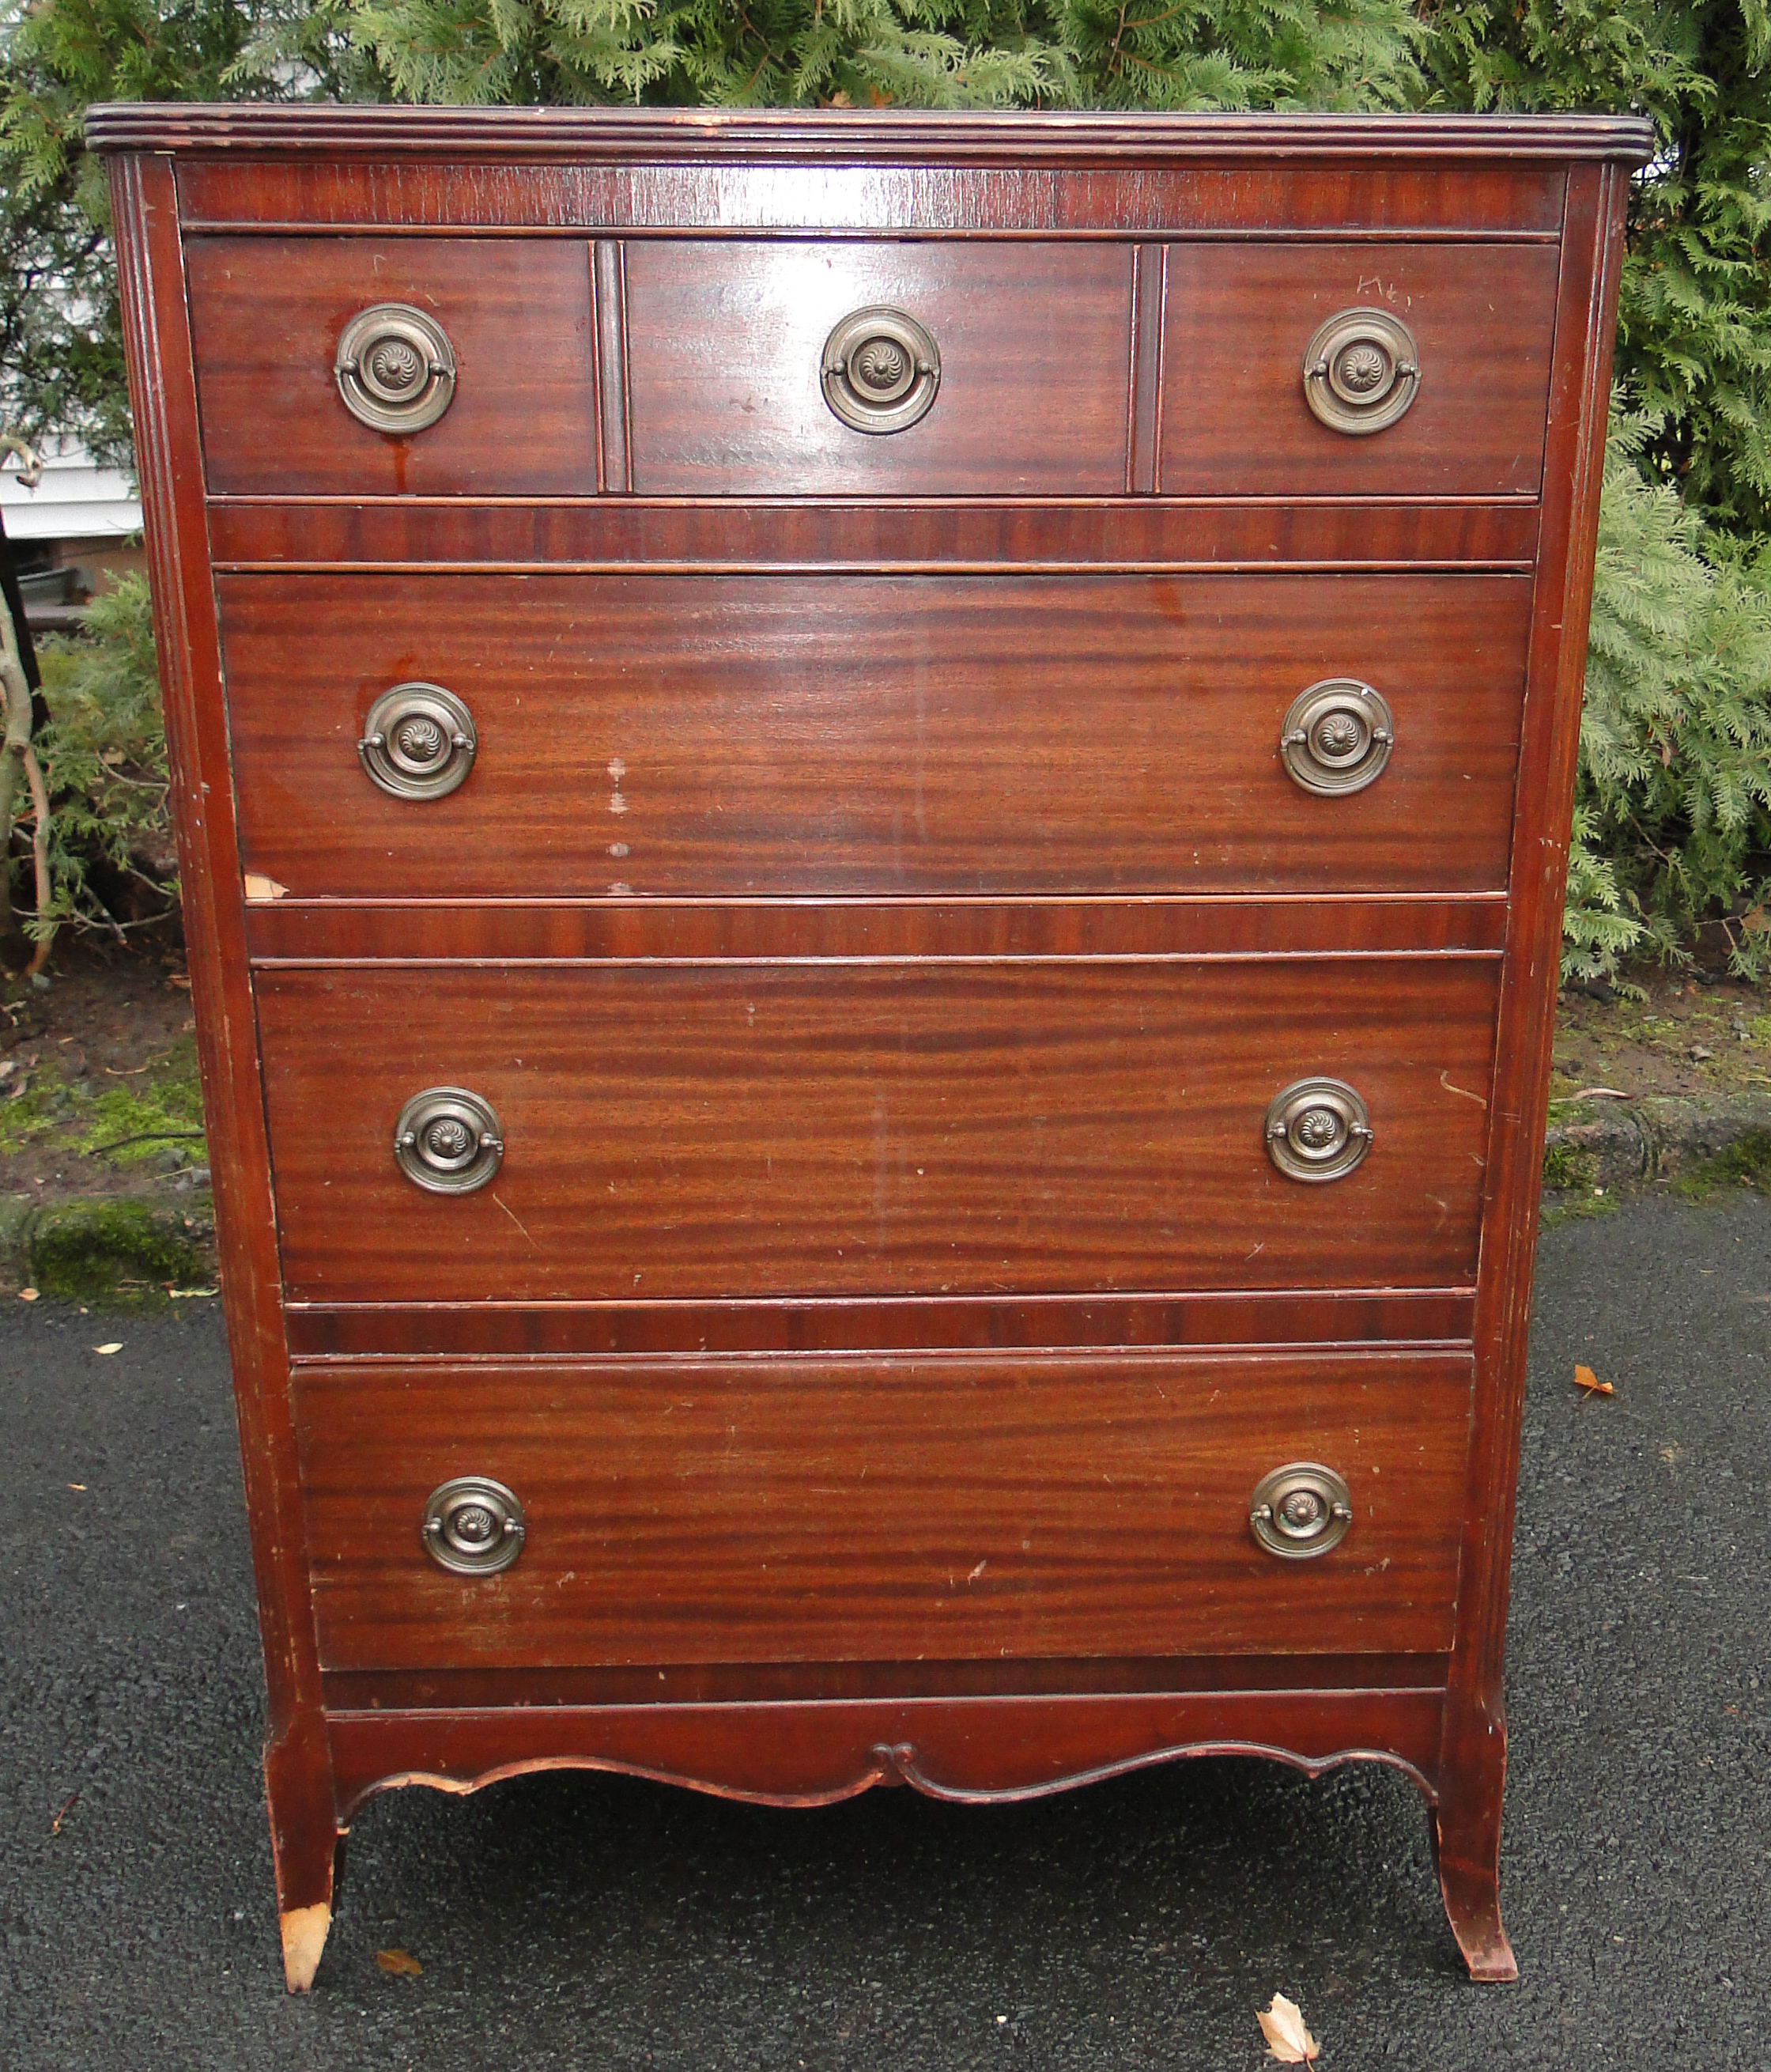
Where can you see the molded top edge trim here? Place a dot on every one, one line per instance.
(835, 137)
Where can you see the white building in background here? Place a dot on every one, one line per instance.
(72, 535)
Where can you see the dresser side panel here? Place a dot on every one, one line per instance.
(1586, 313)
(162, 392)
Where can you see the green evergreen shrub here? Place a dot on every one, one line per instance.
(111, 859)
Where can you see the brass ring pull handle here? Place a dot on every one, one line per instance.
(1362, 371)
(1300, 1510)
(447, 1141)
(1337, 737)
(881, 370)
(473, 1525)
(1317, 1129)
(395, 369)
(418, 741)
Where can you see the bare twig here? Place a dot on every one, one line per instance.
(149, 1136)
(40, 852)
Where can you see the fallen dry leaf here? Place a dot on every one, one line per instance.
(1585, 1379)
(1598, 1093)
(188, 1294)
(1287, 2039)
(28, 1294)
(115, 1346)
(398, 1965)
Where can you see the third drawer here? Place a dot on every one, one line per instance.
(679, 1130)
(746, 735)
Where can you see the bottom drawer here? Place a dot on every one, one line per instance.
(739, 1509)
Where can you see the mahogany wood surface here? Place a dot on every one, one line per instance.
(157, 342)
(266, 317)
(1333, 1316)
(695, 736)
(439, 534)
(968, 1749)
(931, 1508)
(685, 138)
(280, 929)
(686, 1130)
(1522, 199)
(1473, 1756)
(757, 1046)
(725, 344)
(1238, 318)
(821, 1682)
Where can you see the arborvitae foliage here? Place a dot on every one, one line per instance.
(1674, 825)
(1674, 801)
(1695, 336)
(111, 858)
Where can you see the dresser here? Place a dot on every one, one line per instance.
(873, 814)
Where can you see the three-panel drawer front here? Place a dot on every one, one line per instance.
(544, 1514)
(640, 1131)
(549, 737)
(391, 366)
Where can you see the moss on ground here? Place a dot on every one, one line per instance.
(133, 1125)
(1746, 1163)
(1578, 1208)
(114, 1253)
(129, 1122)
(1567, 1166)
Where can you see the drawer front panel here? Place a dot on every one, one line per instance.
(729, 1511)
(1234, 418)
(750, 735)
(676, 1131)
(725, 344)
(267, 314)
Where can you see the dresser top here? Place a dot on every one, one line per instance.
(612, 135)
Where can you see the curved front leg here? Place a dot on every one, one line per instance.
(307, 1846)
(1467, 1847)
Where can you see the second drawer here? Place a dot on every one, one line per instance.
(748, 735)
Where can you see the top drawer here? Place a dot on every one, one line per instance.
(1037, 368)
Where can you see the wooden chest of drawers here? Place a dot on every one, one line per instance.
(874, 814)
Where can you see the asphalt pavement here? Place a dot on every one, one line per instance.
(587, 1921)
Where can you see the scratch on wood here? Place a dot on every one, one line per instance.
(1446, 1084)
(518, 1221)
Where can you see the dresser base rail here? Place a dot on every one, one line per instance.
(979, 1750)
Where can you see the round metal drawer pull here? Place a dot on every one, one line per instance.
(473, 1525)
(1317, 1129)
(881, 370)
(418, 741)
(447, 1140)
(1337, 736)
(395, 368)
(1300, 1510)
(1362, 371)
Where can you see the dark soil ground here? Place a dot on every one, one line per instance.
(98, 1077)
(1685, 1036)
